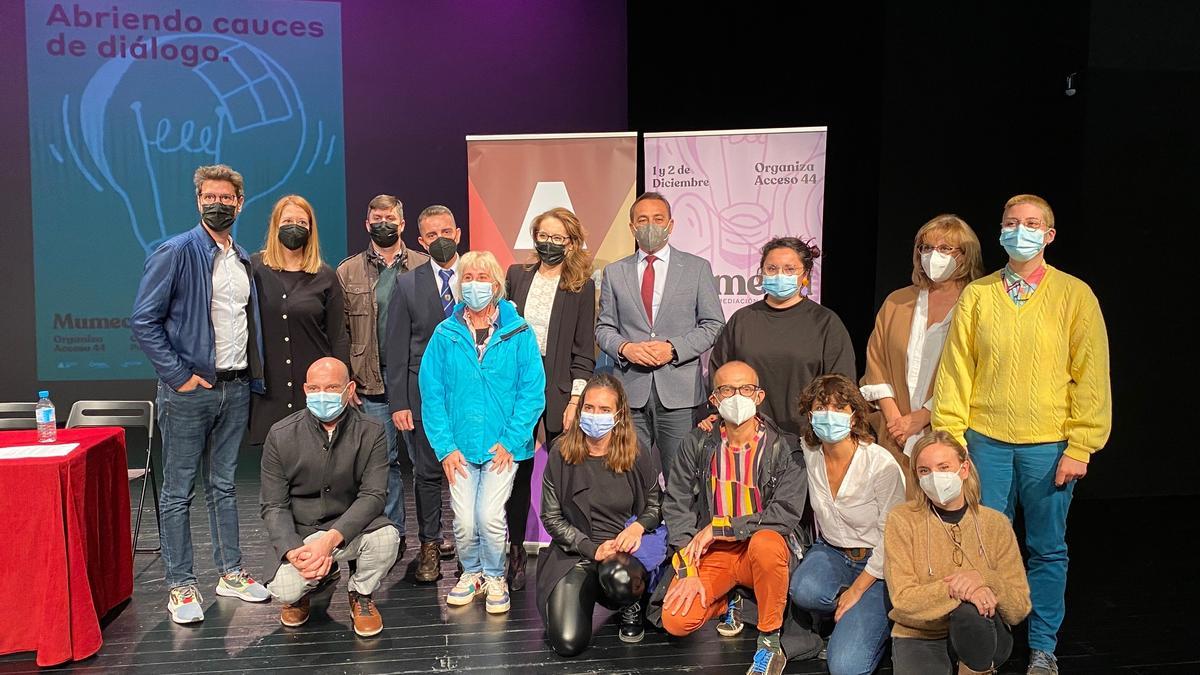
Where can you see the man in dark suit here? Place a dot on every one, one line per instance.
(659, 312)
(422, 300)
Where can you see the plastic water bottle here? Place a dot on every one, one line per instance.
(46, 424)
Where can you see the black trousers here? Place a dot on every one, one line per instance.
(428, 479)
(571, 603)
(978, 641)
(516, 511)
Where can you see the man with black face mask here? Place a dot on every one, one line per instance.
(196, 318)
(368, 279)
(422, 300)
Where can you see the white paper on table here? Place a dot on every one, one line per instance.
(40, 450)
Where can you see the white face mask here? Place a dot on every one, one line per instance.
(938, 266)
(942, 487)
(737, 409)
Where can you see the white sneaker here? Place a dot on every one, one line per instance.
(184, 604)
(497, 595)
(239, 585)
(469, 585)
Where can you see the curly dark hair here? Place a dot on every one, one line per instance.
(837, 390)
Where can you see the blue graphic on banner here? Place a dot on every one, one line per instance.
(125, 101)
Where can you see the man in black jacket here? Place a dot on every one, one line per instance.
(324, 482)
(733, 509)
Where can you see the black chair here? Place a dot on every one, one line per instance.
(132, 414)
(17, 416)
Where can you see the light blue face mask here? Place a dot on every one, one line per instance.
(1022, 243)
(830, 426)
(477, 294)
(325, 406)
(781, 286)
(596, 425)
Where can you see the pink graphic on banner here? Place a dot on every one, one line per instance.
(732, 192)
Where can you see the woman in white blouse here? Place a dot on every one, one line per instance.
(852, 485)
(910, 329)
(555, 294)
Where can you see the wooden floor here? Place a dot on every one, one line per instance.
(1119, 618)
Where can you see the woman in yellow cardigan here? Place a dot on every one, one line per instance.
(1024, 384)
(954, 571)
(910, 330)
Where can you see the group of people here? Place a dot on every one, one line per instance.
(776, 488)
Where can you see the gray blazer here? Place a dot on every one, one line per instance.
(311, 483)
(689, 317)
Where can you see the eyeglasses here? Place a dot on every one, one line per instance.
(1031, 223)
(957, 554)
(302, 223)
(213, 198)
(557, 239)
(726, 390)
(772, 270)
(943, 249)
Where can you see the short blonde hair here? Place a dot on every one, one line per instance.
(219, 172)
(483, 261)
(1047, 213)
(273, 255)
(960, 235)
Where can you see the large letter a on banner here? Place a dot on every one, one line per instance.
(546, 195)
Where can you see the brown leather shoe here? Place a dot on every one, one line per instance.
(295, 614)
(429, 564)
(367, 620)
(446, 549)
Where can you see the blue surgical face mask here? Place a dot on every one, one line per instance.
(477, 294)
(1022, 243)
(830, 426)
(781, 286)
(596, 425)
(326, 406)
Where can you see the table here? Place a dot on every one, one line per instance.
(66, 559)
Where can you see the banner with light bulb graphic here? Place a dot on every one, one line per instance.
(125, 101)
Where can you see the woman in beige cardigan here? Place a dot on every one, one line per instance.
(954, 571)
(910, 329)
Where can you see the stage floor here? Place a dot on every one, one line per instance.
(1130, 606)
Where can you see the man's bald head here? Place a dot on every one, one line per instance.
(735, 373)
(328, 370)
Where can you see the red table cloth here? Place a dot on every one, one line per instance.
(66, 558)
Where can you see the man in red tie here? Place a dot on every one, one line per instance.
(659, 312)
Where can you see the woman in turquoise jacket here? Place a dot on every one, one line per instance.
(483, 389)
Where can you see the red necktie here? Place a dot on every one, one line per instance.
(648, 289)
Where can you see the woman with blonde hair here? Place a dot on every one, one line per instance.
(555, 294)
(600, 496)
(910, 330)
(301, 305)
(954, 571)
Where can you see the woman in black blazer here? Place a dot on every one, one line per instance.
(557, 297)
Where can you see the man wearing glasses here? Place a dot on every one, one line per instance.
(196, 318)
(1024, 385)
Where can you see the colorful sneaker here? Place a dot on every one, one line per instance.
(1042, 663)
(184, 604)
(731, 623)
(238, 584)
(769, 659)
(469, 585)
(497, 601)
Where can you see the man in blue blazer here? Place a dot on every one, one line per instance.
(659, 312)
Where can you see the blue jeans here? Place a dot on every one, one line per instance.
(857, 643)
(202, 431)
(393, 508)
(480, 528)
(1015, 473)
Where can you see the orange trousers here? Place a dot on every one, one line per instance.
(760, 564)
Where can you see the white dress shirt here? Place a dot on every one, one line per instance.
(437, 277)
(874, 484)
(231, 294)
(663, 258)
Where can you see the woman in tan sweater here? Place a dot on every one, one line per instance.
(954, 571)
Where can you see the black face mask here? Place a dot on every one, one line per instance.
(293, 236)
(550, 253)
(384, 234)
(219, 217)
(443, 250)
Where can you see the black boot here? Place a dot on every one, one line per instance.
(631, 623)
(517, 558)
